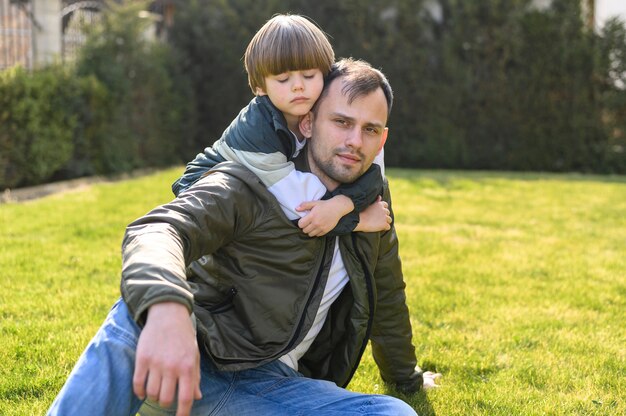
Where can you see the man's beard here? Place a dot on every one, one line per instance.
(334, 170)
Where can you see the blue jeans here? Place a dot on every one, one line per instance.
(101, 384)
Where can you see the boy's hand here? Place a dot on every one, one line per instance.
(376, 217)
(323, 215)
(168, 358)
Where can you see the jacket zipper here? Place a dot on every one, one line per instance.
(316, 283)
(370, 298)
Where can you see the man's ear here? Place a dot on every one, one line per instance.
(306, 123)
(384, 138)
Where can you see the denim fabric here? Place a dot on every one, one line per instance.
(101, 384)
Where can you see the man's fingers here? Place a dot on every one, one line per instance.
(153, 386)
(187, 388)
(430, 379)
(167, 391)
(139, 379)
(197, 392)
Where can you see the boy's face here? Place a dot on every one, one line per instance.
(294, 92)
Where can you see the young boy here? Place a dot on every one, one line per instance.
(286, 62)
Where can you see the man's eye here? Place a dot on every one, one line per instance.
(371, 130)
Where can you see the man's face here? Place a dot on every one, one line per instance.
(345, 137)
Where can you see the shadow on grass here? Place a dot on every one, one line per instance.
(418, 401)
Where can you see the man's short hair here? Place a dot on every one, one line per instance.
(359, 79)
(286, 43)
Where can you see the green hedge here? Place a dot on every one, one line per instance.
(119, 107)
(37, 123)
(149, 111)
(482, 84)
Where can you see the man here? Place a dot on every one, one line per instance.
(282, 319)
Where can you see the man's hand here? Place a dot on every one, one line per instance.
(167, 358)
(430, 380)
(323, 215)
(376, 217)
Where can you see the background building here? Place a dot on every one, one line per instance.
(36, 32)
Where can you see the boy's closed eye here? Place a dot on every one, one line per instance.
(284, 77)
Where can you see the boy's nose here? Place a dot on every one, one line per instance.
(298, 84)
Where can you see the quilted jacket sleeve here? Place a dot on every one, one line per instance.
(391, 337)
(158, 246)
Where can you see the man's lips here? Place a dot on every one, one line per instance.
(348, 158)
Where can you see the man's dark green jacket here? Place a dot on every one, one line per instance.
(254, 281)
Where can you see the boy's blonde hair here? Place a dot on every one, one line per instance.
(286, 43)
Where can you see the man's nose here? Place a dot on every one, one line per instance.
(354, 138)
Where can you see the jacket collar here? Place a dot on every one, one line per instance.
(278, 119)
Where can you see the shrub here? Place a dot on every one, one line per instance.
(480, 84)
(147, 111)
(35, 127)
(117, 108)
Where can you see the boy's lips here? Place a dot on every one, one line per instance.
(300, 100)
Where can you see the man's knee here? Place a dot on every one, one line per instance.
(393, 406)
(405, 410)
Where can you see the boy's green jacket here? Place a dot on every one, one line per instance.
(254, 281)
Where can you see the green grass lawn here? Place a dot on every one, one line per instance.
(516, 285)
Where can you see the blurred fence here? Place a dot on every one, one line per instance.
(16, 42)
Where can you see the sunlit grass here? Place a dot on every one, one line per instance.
(517, 288)
(516, 285)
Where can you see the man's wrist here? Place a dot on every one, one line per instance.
(413, 385)
(167, 309)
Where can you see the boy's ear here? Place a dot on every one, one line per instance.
(259, 91)
(306, 123)
(384, 138)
